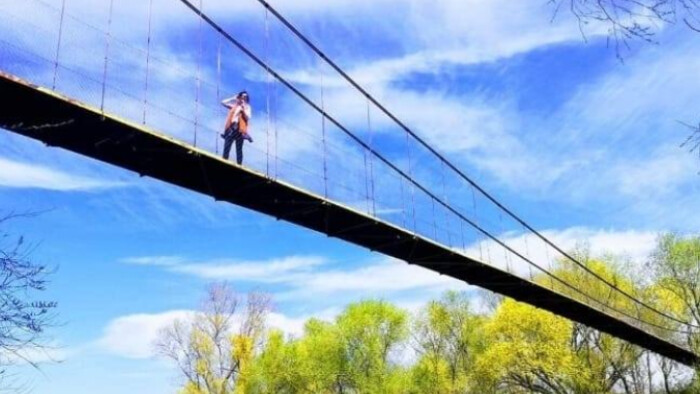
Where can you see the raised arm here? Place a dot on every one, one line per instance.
(228, 103)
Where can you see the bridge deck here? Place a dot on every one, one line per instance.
(58, 121)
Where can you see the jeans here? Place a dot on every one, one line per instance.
(232, 134)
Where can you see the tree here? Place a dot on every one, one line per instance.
(615, 364)
(676, 267)
(447, 335)
(369, 332)
(612, 362)
(214, 348)
(24, 317)
(279, 368)
(314, 363)
(351, 355)
(528, 352)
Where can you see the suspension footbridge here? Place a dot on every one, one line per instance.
(129, 105)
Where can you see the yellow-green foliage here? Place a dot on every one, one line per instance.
(191, 388)
(524, 345)
(676, 264)
(352, 353)
(242, 351)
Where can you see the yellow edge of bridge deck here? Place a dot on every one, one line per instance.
(56, 120)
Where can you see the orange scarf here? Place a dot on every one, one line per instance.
(242, 124)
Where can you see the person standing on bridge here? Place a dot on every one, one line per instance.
(237, 121)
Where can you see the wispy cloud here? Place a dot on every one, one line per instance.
(273, 270)
(310, 276)
(269, 271)
(386, 276)
(15, 174)
(164, 261)
(305, 277)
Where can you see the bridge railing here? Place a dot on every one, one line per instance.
(157, 63)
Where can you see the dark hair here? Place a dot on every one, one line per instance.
(242, 93)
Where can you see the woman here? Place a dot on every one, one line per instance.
(237, 121)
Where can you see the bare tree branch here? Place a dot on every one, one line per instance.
(692, 142)
(23, 318)
(627, 21)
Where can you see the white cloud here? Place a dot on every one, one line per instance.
(659, 175)
(468, 33)
(388, 276)
(293, 326)
(133, 336)
(154, 260)
(14, 174)
(617, 141)
(267, 271)
(308, 275)
(634, 245)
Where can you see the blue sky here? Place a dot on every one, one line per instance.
(583, 146)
